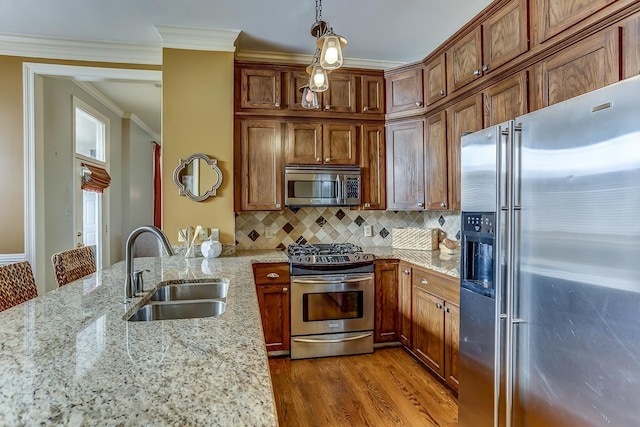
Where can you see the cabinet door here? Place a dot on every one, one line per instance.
(304, 143)
(339, 144)
(465, 116)
(405, 165)
(452, 343)
(405, 317)
(274, 310)
(464, 60)
(386, 322)
(372, 153)
(295, 80)
(435, 80)
(261, 168)
(551, 17)
(428, 330)
(260, 89)
(506, 100)
(372, 96)
(405, 91)
(585, 66)
(631, 48)
(505, 35)
(437, 195)
(341, 95)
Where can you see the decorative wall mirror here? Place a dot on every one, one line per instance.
(198, 177)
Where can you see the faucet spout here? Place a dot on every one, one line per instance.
(129, 281)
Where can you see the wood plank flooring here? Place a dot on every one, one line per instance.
(386, 388)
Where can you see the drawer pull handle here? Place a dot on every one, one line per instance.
(424, 281)
(273, 275)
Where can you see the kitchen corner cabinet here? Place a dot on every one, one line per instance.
(437, 191)
(435, 80)
(436, 317)
(272, 288)
(386, 318)
(314, 143)
(464, 116)
(372, 166)
(260, 89)
(259, 186)
(405, 91)
(405, 318)
(406, 165)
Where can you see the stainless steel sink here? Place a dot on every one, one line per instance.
(178, 310)
(192, 291)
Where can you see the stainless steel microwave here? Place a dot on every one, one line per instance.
(322, 185)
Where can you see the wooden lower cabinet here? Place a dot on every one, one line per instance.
(272, 287)
(428, 329)
(404, 305)
(386, 319)
(452, 343)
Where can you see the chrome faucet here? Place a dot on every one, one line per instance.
(130, 280)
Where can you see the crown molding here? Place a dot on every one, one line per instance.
(79, 50)
(198, 38)
(137, 120)
(253, 55)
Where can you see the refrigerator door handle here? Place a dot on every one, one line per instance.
(516, 162)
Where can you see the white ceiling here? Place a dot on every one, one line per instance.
(390, 31)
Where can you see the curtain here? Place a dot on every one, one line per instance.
(96, 179)
(157, 186)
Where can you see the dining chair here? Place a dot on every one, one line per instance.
(17, 284)
(73, 264)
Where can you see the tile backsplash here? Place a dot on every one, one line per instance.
(333, 225)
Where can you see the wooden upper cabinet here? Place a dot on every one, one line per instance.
(261, 167)
(260, 88)
(372, 154)
(303, 144)
(295, 80)
(405, 91)
(405, 165)
(506, 99)
(341, 95)
(551, 17)
(505, 35)
(339, 144)
(464, 116)
(464, 60)
(435, 80)
(437, 194)
(372, 94)
(631, 47)
(585, 66)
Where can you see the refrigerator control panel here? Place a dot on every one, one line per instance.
(479, 222)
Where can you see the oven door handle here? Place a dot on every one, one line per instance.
(307, 340)
(330, 282)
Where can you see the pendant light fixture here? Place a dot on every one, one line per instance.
(309, 97)
(318, 77)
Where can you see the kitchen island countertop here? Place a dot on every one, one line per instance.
(69, 357)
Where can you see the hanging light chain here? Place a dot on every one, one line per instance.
(318, 10)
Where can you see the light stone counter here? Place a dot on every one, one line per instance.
(432, 260)
(70, 358)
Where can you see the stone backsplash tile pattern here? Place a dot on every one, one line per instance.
(334, 225)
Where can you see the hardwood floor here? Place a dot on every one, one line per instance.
(386, 388)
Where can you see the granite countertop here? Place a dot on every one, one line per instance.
(70, 357)
(432, 260)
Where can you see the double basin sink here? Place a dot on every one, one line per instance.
(185, 301)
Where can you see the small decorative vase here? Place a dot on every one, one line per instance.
(211, 248)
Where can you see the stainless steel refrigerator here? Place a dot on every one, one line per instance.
(550, 266)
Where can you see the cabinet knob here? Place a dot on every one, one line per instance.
(485, 67)
(477, 72)
(446, 309)
(438, 305)
(318, 159)
(424, 281)
(441, 93)
(420, 204)
(407, 272)
(278, 205)
(284, 290)
(419, 104)
(365, 109)
(443, 205)
(367, 205)
(277, 104)
(327, 107)
(327, 159)
(273, 275)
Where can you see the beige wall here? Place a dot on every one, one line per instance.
(197, 104)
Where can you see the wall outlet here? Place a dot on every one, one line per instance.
(215, 234)
(368, 230)
(204, 233)
(268, 232)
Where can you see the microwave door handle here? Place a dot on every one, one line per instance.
(339, 189)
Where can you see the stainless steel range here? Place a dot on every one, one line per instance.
(332, 300)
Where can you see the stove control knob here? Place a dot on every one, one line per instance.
(365, 256)
(307, 259)
(356, 257)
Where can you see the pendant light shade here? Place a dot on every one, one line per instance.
(318, 80)
(331, 55)
(309, 98)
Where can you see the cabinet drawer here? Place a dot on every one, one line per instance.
(447, 289)
(271, 273)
